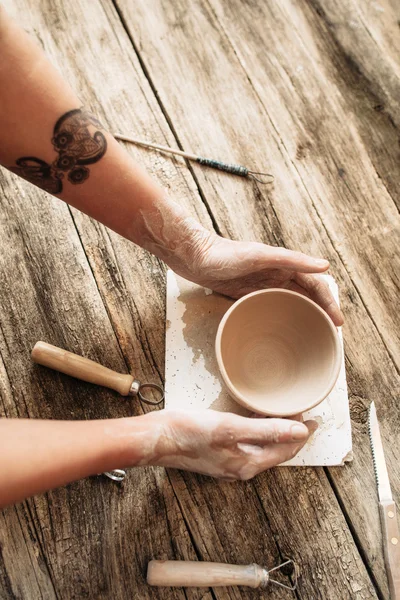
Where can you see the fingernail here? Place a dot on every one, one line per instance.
(299, 432)
(321, 262)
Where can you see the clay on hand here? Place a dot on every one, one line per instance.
(221, 445)
(225, 266)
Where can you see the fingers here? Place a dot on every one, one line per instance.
(318, 290)
(261, 432)
(281, 258)
(260, 459)
(280, 453)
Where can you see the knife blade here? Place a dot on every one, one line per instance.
(387, 508)
(381, 474)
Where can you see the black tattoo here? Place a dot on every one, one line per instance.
(75, 146)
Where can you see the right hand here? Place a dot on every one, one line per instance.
(225, 445)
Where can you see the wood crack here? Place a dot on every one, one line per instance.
(97, 286)
(366, 84)
(29, 553)
(40, 544)
(188, 526)
(147, 350)
(320, 219)
(282, 557)
(166, 115)
(354, 534)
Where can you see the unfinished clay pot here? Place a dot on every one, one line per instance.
(278, 352)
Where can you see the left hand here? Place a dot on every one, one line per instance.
(238, 268)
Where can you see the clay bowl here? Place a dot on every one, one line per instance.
(278, 352)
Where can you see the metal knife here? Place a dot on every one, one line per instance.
(387, 508)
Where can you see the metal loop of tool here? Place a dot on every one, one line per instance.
(252, 175)
(116, 475)
(295, 574)
(119, 475)
(137, 387)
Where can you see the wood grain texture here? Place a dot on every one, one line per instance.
(95, 537)
(85, 289)
(237, 98)
(367, 34)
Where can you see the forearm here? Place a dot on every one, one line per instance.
(40, 455)
(73, 157)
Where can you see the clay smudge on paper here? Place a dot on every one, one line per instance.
(192, 384)
(203, 311)
(201, 319)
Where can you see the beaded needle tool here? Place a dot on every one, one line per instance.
(208, 162)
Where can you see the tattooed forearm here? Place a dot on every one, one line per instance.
(76, 147)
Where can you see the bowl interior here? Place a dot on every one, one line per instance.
(279, 353)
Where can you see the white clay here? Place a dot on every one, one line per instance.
(225, 266)
(221, 445)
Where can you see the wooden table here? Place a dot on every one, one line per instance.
(307, 90)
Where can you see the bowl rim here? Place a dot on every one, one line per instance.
(234, 392)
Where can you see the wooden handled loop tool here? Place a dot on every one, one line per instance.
(239, 170)
(176, 573)
(88, 370)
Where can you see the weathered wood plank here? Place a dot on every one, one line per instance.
(20, 545)
(306, 526)
(373, 138)
(48, 292)
(18, 537)
(219, 519)
(368, 35)
(341, 147)
(96, 538)
(112, 258)
(138, 318)
(363, 50)
(205, 91)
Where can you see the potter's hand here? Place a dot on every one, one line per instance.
(117, 192)
(231, 268)
(38, 455)
(238, 268)
(225, 445)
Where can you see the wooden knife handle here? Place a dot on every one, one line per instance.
(80, 367)
(391, 546)
(176, 573)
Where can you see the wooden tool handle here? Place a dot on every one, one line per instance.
(80, 367)
(176, 573)
(391, 547)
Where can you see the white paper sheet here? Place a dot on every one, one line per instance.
(193, 380)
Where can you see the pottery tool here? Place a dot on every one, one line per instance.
(193, 380)
(176, 573)
(387, 508)
(239, 170)
(92, 372)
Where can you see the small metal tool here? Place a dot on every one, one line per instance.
(180, 573)
(239, 170)
(387, 508)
